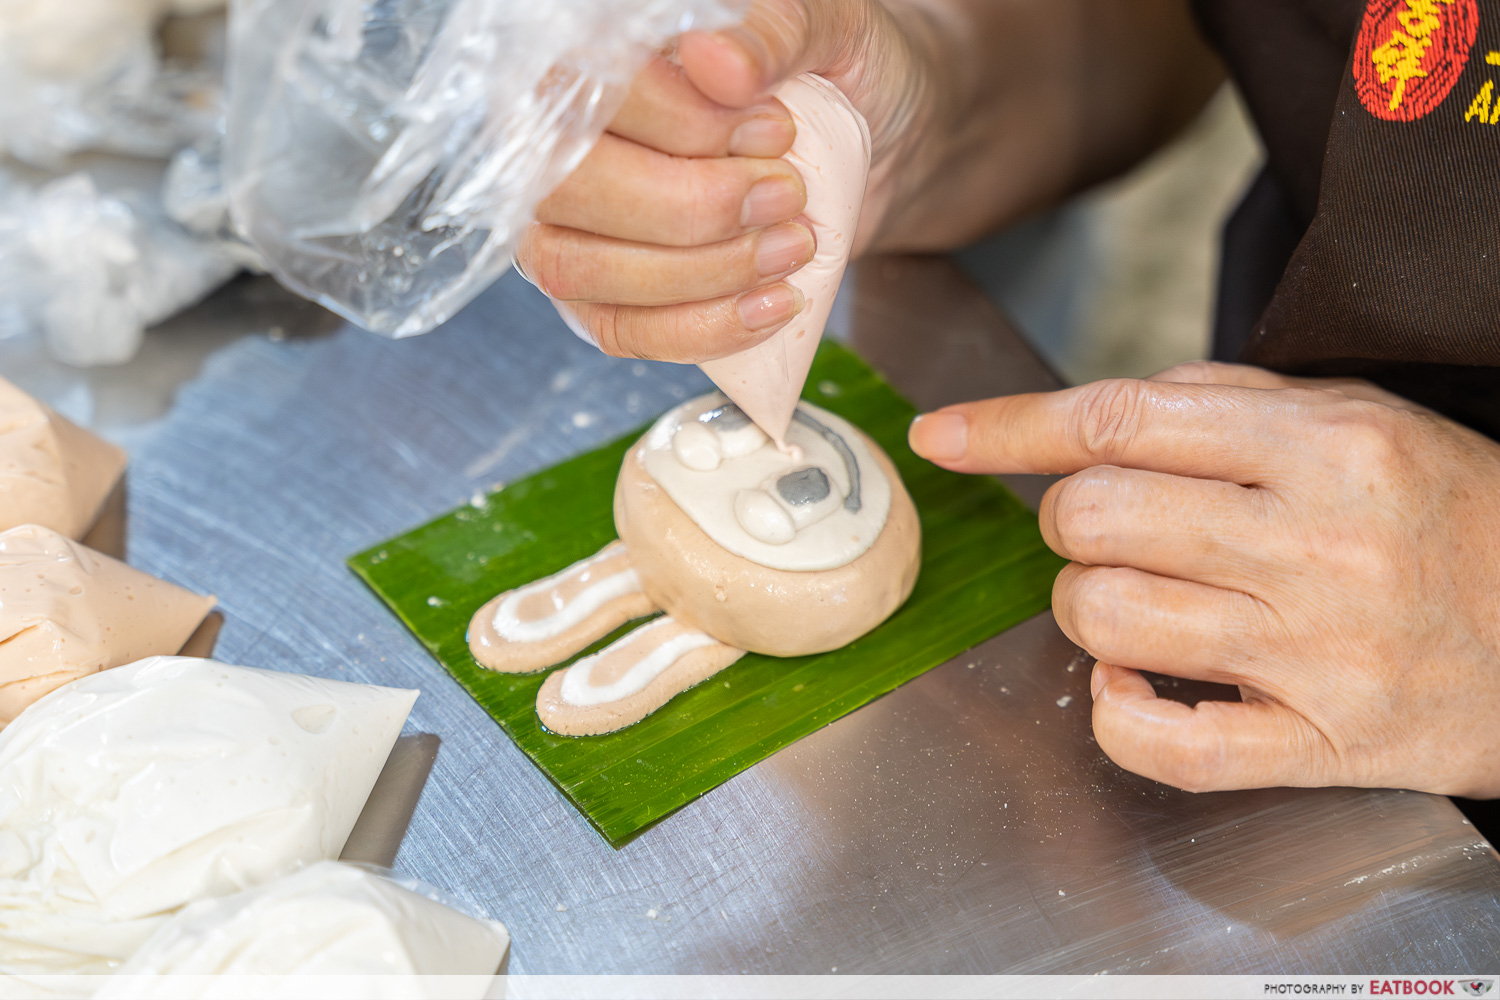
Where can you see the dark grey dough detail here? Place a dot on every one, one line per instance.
(726, 418)
(852, 502)
(730, 417)
(804, 486)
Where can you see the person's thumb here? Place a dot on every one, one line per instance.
(778, 39)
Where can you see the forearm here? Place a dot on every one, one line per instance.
(1024, 102)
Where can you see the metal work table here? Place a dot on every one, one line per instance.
(965, 823)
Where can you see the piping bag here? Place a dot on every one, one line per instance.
(832, 153)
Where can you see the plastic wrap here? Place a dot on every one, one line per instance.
(130, 793)
(89, 269)
(91, 253)
(385, 155)
(329, 918)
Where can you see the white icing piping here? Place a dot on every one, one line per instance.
(741, 504)
(509, 626)
(576, 689)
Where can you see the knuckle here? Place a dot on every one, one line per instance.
(1374, 564)
(660, 333)
(1109, 416)
(1369, 441)
(1094, 611)
(1079, 511)
(710, 212)
(550, 262)
(1192, 371)
(526, 257)
(1196, 764)
(606, 325)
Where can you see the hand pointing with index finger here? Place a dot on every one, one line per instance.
(1328, 547)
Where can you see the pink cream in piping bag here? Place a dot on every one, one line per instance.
(832, 152)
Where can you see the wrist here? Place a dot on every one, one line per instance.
(915, 122)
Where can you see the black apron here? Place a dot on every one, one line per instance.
(1370, 243)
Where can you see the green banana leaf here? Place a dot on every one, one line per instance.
(984, 569)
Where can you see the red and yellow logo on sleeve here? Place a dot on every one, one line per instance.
(1410, 54)
(1485, 108)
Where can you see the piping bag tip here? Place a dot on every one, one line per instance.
(832, 153)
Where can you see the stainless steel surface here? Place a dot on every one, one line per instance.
(964, 823)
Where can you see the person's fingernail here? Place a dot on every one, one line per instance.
(783, 248)
(767, 132)
(575, 324)
(769, 306)
(774, 199)
(521, 270)
(1098, 679)
(940, 437)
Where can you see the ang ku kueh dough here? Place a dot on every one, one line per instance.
(52, 472)
(547, 621)
(743, 602)
(791, 544)
(128, 794)
(630, 678)
(702, 503)
(832, 153)
(67, 611)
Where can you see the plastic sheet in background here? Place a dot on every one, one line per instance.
(384, 156)
(93, 258)
(95, 95)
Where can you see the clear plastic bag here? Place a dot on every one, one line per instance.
(90, 267)
(90, 254)
(384, 156)
(329, 918)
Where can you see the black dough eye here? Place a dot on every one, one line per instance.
(804, 486)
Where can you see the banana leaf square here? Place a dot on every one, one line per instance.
(984, 569)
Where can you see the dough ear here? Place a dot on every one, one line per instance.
(547, 621)
(630, 678)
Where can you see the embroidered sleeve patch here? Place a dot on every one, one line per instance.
(1410, 54)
